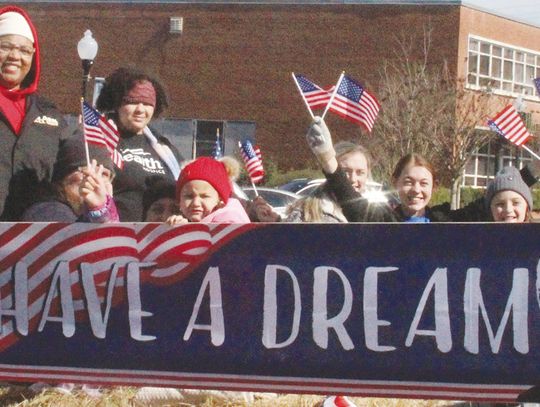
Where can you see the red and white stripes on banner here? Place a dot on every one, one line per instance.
(176, 251)
(354, 388)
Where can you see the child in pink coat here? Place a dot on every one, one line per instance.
(203, 192)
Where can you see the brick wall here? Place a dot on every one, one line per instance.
(234, 62)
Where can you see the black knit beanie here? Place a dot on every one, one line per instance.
(72, 155)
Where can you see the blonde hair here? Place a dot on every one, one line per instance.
(310, 206)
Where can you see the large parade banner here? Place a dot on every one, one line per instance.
(439, 311)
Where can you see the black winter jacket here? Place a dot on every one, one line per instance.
(27, 160)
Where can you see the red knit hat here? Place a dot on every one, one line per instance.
(209, 170)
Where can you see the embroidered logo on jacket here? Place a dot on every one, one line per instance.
(46, 120)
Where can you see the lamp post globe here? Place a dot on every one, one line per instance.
(87, 49)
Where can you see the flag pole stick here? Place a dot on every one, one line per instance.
(333, 94)
(531, 152)
(254, 188)
(303, 97)
(85, 141)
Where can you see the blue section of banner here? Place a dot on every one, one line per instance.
(445, 303)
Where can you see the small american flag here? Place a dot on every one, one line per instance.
(253, 160)
(98, 130)
(354, 103)
(537, 84)
(508, 123)
(315, 96)
(217, 153)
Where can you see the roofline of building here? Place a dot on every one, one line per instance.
(264, 2)
(465, 3)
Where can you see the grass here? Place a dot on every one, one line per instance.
(22, 396)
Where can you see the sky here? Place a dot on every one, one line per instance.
(524, 10)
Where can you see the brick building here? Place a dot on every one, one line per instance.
(229, 65)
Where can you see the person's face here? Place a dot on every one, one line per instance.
(71, 189)
(508, 206)
(355, 166)
(135, 116)
(71, 185)
(16, 53)
(414, 187)
(161, 209)
(197, 200)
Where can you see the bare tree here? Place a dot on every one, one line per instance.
(426, 110)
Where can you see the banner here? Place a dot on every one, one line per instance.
(438, 311)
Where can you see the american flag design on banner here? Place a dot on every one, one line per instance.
(315, 96)
(100, 131)
(355, 104)
(508, 123)
(43, 246)
(253, 160)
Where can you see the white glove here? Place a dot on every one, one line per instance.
(320, 140)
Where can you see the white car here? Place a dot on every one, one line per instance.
(277, 198)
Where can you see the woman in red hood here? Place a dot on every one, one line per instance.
(31, 128)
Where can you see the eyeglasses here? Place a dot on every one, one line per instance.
(8, 47)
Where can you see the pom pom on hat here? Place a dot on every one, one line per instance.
(13, 23)
(209, 170)
(508, 179)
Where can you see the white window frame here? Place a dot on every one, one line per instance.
(528, 90)
(523, 158)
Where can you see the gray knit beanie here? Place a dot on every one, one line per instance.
(508, 179)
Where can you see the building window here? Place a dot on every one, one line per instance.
(485, 162)
(502, 68)
(206, 136)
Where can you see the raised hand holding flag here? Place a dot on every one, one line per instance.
(508, 123)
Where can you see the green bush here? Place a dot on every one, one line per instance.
(440, 195)
(469, 195)
(536, 198)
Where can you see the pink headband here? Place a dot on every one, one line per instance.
(141, 92)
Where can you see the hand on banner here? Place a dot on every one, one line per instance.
(320, 142)
(96, 185)
(176, 220)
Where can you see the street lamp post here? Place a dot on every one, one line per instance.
(87, 49)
